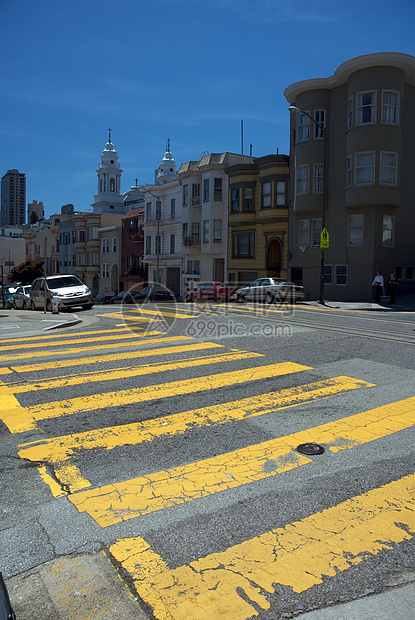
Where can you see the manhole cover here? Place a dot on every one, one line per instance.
(310, 448)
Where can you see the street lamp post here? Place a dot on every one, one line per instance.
(322, 128)
(158, 215)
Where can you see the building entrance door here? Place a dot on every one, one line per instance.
(274, 259)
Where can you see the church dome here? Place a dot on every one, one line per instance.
(166, 172)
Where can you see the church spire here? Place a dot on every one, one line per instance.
(109, 134)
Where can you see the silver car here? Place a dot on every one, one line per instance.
(21, 298)
(270, 290)
(69, 289)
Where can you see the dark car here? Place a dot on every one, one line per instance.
(103, 298)
(7, 296)
(153, 293)
(210, 291)
(123, 297)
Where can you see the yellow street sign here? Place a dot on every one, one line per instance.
(324, 238)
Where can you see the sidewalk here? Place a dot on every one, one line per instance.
(21, 323)
(406, 303)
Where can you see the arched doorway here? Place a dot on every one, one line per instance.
(114, 279)
(95, 285)
(274, 258)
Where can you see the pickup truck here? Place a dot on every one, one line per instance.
(270, 290)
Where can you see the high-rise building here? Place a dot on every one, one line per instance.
(13, 198)
(35, 212)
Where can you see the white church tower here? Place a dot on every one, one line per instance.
(166, 172)
(109, 198)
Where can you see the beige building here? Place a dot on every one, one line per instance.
(360, 124)
(258, 219)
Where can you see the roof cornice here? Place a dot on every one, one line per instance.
(406, 62)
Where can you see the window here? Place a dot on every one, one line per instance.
(243, 245)
(172, 244)
(148, 244)
(92, 258)
(205, 231)
(388, 168)
(355, 230)
(341, 275)
(349, 171)
(148, 212)
(390, 107)
(248, 204)
(388, 231)
(303, 124)
(320, 118)
(350, 113)
(266, 195)
(302, 180)
(81, 259)
(235, 200)
(304, 233)
(195, 233)
(410, 273)
(281, 194)
(317, 228)
(364, 168)
(112, 185)
(205, 190)
(114, 244)
(185, 233)
(328, 274)
(196, 267)
(158, 244)
(173, 208)
(317, 178)
(185, 195)
(366, 107)
(217, 193)
(105, 270)
(195, 194)
(105, 245)
(217, 231)
(82, 234)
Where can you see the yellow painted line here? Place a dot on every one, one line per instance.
(161, 314)
(55, 488)
(83, 361)
(132, 371)
(19, 419)
(62, 336)
(58, 451)
(233, 584)
(121, 336)
(103, 346)
(133, 498)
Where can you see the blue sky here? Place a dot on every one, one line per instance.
(188, 70)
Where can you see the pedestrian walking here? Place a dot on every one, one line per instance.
(392, 284)
(378, 285)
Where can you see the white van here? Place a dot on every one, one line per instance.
(70, 290)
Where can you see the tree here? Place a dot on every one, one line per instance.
(27, 272)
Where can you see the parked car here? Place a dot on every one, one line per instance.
(210, 291)
(103, 298)
(21, 298)
(153, 293)
(70, 290)
(122, 297)
(270, 290)
(7, 296)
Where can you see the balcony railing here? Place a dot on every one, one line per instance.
(193, 240)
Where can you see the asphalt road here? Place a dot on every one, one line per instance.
(167, 443)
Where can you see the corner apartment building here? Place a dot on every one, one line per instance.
(13, 198)
(258, 219)
(352, 163)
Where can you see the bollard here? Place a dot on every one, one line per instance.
(55, 302)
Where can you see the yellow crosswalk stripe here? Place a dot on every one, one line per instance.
(34, 339)
(104, 346)
(120, 336)
(19, 419)
(58, 451)
(141, 353)
(118, 502)
(135, 371)
(232, 584)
